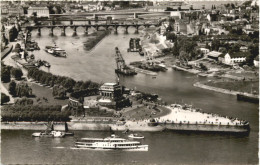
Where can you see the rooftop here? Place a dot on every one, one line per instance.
(214, 54)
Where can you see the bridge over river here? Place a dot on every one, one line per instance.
(96, 26)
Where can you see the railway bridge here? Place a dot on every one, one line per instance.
(96, 26)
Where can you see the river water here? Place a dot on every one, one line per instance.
(18, 147)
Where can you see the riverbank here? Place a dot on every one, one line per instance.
(6, 51)
(96, 37)
(222, 90)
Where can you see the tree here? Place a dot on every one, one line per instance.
(24, 101)
(215, 44)
(23, 90)
(4, 98)
(12, 88)
(17, 73)
(5, 75)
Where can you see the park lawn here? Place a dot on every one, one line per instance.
(145, 112)
(41, 92)
(240, 86)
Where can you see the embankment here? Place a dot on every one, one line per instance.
(6, 51)
(93, 41)
(221, 90)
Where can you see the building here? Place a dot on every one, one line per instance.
(236, 57)
(213, 55)
(40, 11)
(256, 62)
(110, 90)
(204, 50)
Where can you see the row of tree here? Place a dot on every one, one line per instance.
(34, 113)
(62, 84)
(8, 71)
(20, 89)
(4, 98)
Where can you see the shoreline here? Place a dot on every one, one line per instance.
(106, 33)
(220, 90)
(5, 53)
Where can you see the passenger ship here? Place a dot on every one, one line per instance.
(110, 143)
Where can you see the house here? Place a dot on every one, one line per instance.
(40, 11)
(212, 17)
(243, 49)
(214, 55)
(256, 62)
(204, 50)
(236, 57)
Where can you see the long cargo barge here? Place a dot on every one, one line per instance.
(248, 97)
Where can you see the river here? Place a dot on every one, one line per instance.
(18, 147)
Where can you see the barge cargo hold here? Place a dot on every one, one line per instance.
(134, 45)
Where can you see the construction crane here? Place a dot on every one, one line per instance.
(122, 68)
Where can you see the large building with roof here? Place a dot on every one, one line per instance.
(40, 11)
(235, 57)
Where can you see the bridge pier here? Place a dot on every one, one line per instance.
(136, 30)
(39, 32)
(135, 15)
(115, 32)
(126, 30)
(74, 31)
(63, 32)
(86, 30)
(51, 32)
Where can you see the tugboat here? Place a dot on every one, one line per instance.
(49, 132)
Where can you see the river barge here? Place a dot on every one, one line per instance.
(134, 45)
(248, 97)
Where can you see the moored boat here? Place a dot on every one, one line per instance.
(55, 134)
(135, 136)
(56, 51)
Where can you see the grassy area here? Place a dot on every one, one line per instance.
(241, 86)
(145, 112)
(43, 95)
(95, 38)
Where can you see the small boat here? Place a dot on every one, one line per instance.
(135, 136)
(45, 63)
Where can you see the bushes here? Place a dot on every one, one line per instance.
(16, 73)
(34, 113)
(4, 98)
(64, 84)
(5, 73)
(24, 101)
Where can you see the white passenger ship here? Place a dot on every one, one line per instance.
(110, 143)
